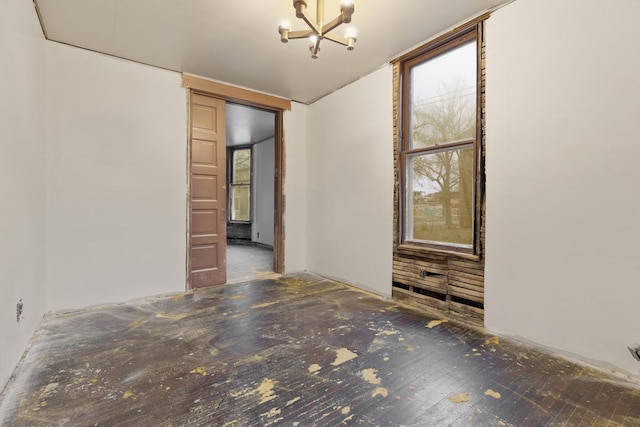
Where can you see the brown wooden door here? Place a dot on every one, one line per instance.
(208, 233)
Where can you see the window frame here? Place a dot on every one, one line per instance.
(231, 183)
(416, 58)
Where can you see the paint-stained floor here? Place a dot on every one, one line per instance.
(296, 351)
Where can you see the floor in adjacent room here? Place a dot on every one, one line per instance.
(297, 351)
(248, 261)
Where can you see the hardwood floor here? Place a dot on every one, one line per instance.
(295, 351)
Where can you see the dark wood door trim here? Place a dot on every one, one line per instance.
(278, 231)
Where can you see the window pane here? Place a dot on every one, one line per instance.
(440, 197)
(442, 99)
(242, 166)
(240, 202)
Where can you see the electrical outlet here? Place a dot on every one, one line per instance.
(19, 308)
(635, 351)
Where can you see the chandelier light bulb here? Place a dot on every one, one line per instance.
(346, 9)
(301, 8)
(284, 33)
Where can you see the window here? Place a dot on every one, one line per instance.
(439, 145)
(240, 184)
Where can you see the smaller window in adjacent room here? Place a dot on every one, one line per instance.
(240, 184)
(439, 145)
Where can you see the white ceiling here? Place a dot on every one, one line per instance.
(237, 42)
(248, 125)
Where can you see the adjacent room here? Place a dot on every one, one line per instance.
(250, 141)
(319, 212)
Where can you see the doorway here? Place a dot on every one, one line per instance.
(210, 206)
(250, 144)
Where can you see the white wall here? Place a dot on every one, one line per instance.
(563, 198)
(295, 188)
(22, 229)
(263, 191)
(350, 183)
(116, 179)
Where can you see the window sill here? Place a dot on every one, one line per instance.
(429, 249)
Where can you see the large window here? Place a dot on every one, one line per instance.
(439, 145)
(240, 184)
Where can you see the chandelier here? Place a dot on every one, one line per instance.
(318, 29)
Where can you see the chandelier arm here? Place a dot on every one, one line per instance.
(332, 24)
(310, 23)
(314, 48)
(337, 39)
(300, 34)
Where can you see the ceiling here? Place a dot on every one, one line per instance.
(248, 125)
(237, 42)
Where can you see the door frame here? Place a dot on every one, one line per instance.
(263, 101)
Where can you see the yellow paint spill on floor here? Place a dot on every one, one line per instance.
(376, 344)
(292, 282)
(172, 316)
(411, 349)
(266, 390)
(459, 398)
(380, 391)
(256, 358)
(493, 394)
(127, 394)
(272, 413)
(435, 323)
(346, 410)
(492, 340)
(199, 370)
(343, 355)
(241, 393)
(314, 368)
(51, 389)
(238, 296)
(135, 324)
(370, 376)
(264, 304)
(292, 401)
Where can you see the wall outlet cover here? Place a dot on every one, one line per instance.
(19, 308)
